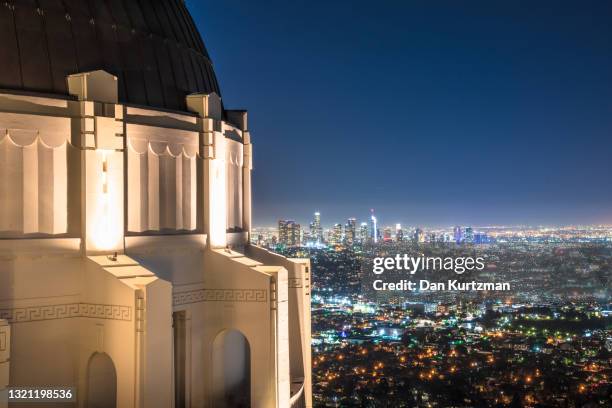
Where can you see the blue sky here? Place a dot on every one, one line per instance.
(433, 113)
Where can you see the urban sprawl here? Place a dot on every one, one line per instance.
(545, 343)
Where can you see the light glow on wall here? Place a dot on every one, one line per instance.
(218, 205)
(107, 222)
(218, 195)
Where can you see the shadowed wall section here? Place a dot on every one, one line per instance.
(231, 370)
(101, 382)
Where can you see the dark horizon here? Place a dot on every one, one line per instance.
(433, 114)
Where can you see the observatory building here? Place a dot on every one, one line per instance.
(125, 212)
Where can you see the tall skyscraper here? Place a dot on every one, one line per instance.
(335, 237)
(289, 233)
(419, 235)
(399, 233)
(373, 227)
(458, 234)
(469, 235)
(316, 231)
(283, 232)
(350, 231)
(364, 233)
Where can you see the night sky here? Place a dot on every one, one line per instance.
(433, 113)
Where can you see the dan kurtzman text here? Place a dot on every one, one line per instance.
(451, 285)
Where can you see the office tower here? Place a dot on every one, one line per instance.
(481, 238)
(374, 233)
(125, 214)
(312, 236)
(316, 231)
(283, 231)
(296, 235)
(458, 234)
(335, 237)
(387, 234)
(469, 235)
(399, 233)
(307, 237)
(289, 233)
(419, 235)
(350, 231)
(364, 232)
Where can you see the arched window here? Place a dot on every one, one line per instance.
(101, 382)
(231, 370)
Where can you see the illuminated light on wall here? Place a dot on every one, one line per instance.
(218, 192)
(107, 222)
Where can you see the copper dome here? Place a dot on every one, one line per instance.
(152, 46)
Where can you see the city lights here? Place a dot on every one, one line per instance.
(550, 329)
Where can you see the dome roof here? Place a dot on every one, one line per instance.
(152, 46)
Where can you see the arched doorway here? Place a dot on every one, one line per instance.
(231, 370)
(101, 382)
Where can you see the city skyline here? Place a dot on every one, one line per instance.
(327, 223)
(315, 235)
(437, 114)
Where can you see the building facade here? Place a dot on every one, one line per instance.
(125, 213)
(350, 231)
(289, 233)
(316, 231)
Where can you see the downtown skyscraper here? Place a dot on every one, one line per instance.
(399, 233)
(373, 227)
(458, 234)
(364, 232)
(316, 231)
(350, 231)
(289, 233)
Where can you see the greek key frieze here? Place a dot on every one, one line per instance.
(64, 311)
(220, 295)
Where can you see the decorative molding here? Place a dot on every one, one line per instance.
(140, 314)
(294, 283)
(162, 189)
(3, 342)
(35, 178)
(68, 310)
(219, 295)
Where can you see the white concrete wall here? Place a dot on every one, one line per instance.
(299, 325)
(66, 299)
(162, 178)
(247, 301)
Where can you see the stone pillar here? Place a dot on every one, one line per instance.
(5, 351)
(209, 110)
(240, 118)
(246, 187)
(99, 135)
